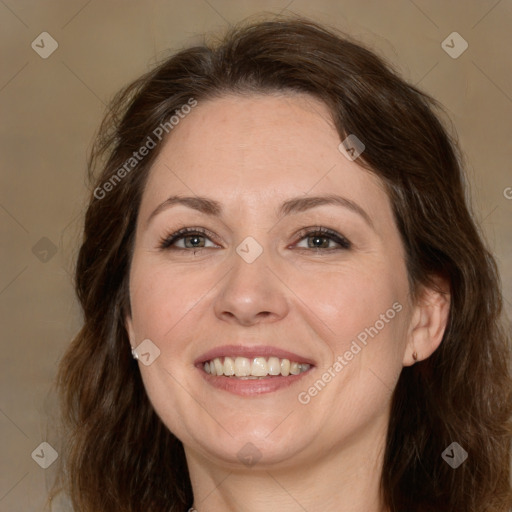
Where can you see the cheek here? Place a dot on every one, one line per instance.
(366, 313)
(160, 300)
(352, 301)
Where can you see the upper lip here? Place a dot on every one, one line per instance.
(251, 352)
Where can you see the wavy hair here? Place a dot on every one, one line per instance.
(461, 393)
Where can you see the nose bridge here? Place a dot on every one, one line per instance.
(251, 292)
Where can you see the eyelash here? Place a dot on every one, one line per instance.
(167, 242)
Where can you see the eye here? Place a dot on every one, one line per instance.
(193, 238)
(319, 238)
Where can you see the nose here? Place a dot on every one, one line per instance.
(252, 293)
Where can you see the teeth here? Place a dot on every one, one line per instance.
(274, 366)
(294, 368)
(242, 367)
(229, 366)
(259, 367)
(285, 367)
(219, 367)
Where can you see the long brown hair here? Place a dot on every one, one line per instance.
(118, 455)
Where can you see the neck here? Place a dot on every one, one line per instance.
(342, 479)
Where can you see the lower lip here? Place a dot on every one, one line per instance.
(251, 387)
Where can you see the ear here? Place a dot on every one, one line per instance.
(428, 321)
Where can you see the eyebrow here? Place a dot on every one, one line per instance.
(295, 205)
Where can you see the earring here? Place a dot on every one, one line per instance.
(134, 354)
(415, 355)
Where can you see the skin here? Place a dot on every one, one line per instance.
(251, 153)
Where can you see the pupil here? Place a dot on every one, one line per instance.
(316, 239)
(193, 240)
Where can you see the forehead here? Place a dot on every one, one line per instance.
(259, 148)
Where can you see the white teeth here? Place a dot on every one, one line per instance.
(285, 367)
(242, 367)
(274, 366)
(229, 366)
(259, 367)
(219, 367)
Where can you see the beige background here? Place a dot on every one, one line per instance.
(50, 109)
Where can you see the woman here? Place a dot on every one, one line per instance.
(287, 303)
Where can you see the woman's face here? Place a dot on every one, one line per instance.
(257, 287)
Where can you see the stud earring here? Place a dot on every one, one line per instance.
(134, 354)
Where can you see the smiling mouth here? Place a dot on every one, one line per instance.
(244, 368)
